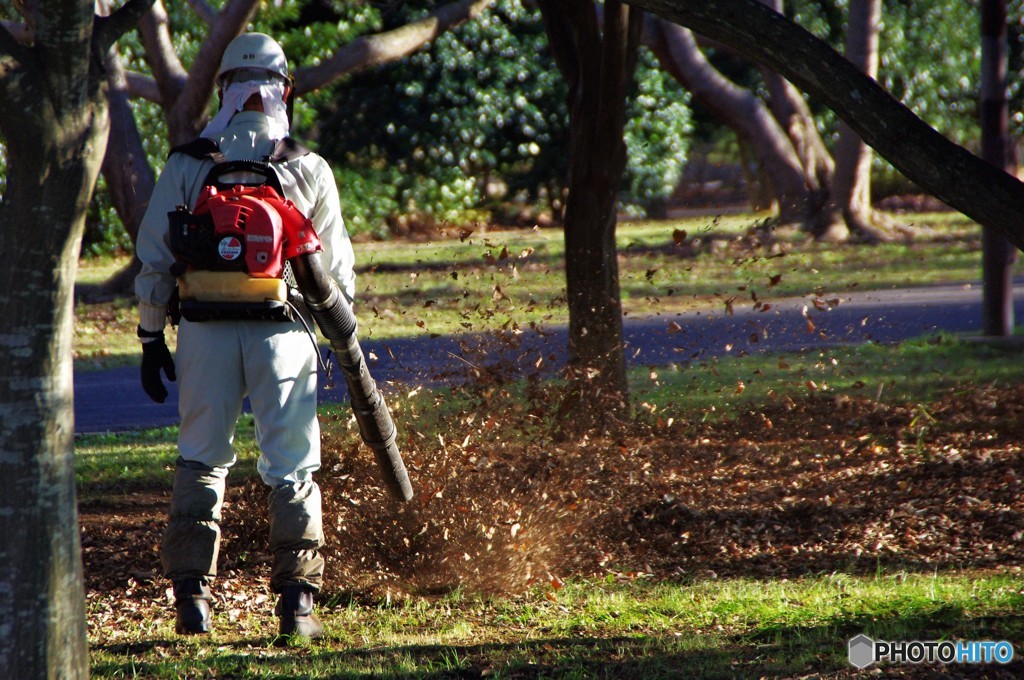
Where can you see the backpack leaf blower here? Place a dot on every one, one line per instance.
(250, 231)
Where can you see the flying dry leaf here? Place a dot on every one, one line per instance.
(679, 236)
(807, 317)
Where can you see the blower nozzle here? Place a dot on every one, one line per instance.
(333, 315)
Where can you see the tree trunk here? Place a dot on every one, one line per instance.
(849, 211)
(998, 255)
(54, 125)
(598, 69)
(794, 115)
(130, 178)
(738, 108)
(760, 183)
(43, 597)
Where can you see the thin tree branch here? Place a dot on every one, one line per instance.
(143, 86)
(204, 11)
(163, 60)
(374, 50)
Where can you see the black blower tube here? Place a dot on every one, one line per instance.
(334, 316)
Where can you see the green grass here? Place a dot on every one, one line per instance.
(499, 278)
(634, 629)
(122, 463)
(502, 279)
(913, 371)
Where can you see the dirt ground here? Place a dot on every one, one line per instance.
(798, 487)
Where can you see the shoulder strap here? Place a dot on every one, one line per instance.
(201, 148)
(288, 149)
(254, 167)
(285, 150)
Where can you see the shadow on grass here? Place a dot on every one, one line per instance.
(647, 658)
(773, 651)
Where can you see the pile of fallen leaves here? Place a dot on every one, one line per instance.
(803, 486)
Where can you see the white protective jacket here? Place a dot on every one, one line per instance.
(221, 362)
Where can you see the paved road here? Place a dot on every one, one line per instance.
(114, 401)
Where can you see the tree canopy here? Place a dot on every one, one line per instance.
(477, 125)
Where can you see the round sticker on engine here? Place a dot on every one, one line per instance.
(229, 248)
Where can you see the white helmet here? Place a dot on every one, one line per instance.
(254, 51)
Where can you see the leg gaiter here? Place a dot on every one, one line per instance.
(296, 535)
(192, 538)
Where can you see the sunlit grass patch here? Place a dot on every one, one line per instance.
(475, 280)
(915, 370)
(631, 629)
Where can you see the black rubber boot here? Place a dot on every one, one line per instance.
(192, 600)
(295, 610)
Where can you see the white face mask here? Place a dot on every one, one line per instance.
(271, 91)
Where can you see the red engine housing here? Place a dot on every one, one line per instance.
(255, 224)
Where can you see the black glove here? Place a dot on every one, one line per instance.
(155, 358)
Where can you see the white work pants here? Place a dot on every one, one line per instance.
(219, 363)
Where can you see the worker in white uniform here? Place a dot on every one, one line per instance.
(220, 362)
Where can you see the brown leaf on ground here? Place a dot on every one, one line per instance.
(800, 486)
